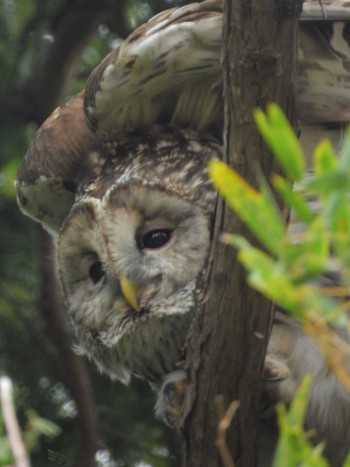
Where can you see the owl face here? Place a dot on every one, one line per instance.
(131, 264)
(155, 241)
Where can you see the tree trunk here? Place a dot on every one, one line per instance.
(227, 343)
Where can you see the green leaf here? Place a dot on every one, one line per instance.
(266, 275)
(6, 458)
(293, 199)
(297, 412)
(306, 256)
(336, 219)
(280, 137)
(294, 448)
(7, 176)
(42, 425)
(38, 427)
(328, 182)
(325, 159)
(253, 208)
(344, 155)
(336, 214)
(282, 285)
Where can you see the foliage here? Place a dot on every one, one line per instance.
(35, 428)
(5, 452)
(288, 266)
(293, 445)
(28, 354)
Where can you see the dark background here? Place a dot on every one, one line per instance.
(47, 50)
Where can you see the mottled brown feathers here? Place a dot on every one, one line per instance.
(158, 157)
(168, 72)
(188, 13)
(60, 145)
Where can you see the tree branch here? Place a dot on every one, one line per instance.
(14, 434)
(225, 353)
(225, 420)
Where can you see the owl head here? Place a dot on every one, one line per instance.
(133, 248)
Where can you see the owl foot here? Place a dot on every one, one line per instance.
(171, 394)
(274, 370)
(170, 398)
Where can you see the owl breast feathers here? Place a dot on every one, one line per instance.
(119, 177)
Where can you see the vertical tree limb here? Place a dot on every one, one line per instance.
(225, 351)
(14, 435)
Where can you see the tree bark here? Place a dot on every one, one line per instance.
(227, 342)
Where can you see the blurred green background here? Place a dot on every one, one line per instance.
(47, 50)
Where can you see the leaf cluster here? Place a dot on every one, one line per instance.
(295, 257)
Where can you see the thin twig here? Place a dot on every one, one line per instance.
(21, 458)
(225, 419)
(323, 9)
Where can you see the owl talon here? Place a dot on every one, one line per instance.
(170, 398)
(174, 392)
(274, 370)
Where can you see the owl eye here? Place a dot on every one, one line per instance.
(96, 272)
(156, 238)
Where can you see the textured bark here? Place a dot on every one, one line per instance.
(228, 341)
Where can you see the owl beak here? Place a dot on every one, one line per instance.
(129, 291)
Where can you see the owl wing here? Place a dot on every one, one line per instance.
(324, 63)
(140, 82)
(177, 54)
(165, 71)
(168, 71)
(56, 159)
(326, 10)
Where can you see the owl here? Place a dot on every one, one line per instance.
(119, 177)
(133, 248)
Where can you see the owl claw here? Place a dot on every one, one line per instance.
(174, 392)
(170, 398)
(173, 389)
(274, 370)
